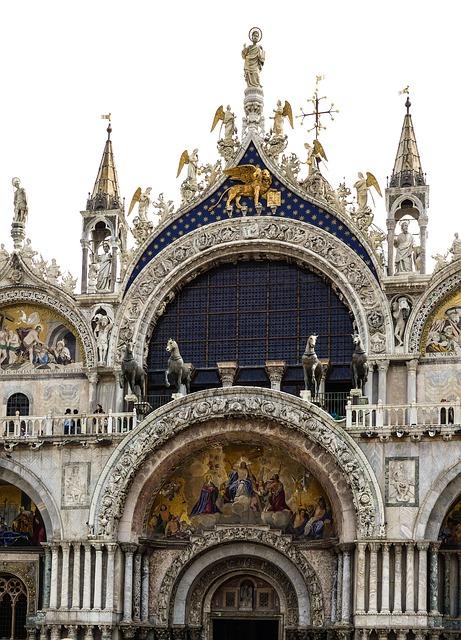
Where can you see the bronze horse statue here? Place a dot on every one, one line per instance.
(133, 374)
(359, 364)
(313, 368)
(177, 372)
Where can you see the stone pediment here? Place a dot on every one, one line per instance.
(291, 202)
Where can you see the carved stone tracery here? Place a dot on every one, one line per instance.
(271, 237)
(163, 424)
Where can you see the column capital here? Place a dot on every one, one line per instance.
(374, 546)
(106, 631)
(275, 370)
(65, 546)
(227, 372)
(385, 546)
(412, 365)
(423, 545)
(383, 365)
(71, 631)
(129, 547)
(111, 547)
(435, 546)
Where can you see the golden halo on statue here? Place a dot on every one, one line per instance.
(255, 30)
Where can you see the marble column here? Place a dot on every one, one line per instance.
(412, 366)
(368, 390)
(145, 587)
(397, 578)
(410, 579)
(97, 604)
(275, 370)
(385, 579)
(373, 589)
(447, 584)
(85, 247)
(361, 549)
(383, 366)
(346, 596)
(339, 585)
(46, 575)
(87, 577)
(92, 387)
(422, 577)
(129, 550)
(65, 546)
(137, 587)
(459, 584)
(54, 575)
(111, 548)
(422, 240)
(43, 632)
(434, 578)
(390, 246)
(76, 577)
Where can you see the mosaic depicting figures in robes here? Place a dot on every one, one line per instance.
(241, 484)
(443, 334)
(21, 523)
(35, 337)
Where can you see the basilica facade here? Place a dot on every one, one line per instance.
(246, 423)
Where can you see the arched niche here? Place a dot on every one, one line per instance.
(24, 484)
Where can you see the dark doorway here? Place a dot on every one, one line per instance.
(245, 629)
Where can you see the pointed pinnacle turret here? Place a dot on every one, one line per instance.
(106, 192)
(407, 166)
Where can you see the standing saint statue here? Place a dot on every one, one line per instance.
(20, 202)
(455, 248)
(254, 57)
(405, 245)
(104, 277)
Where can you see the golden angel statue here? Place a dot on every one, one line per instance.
(280, 113)
(192, 165)
(143, 200)
(315, 155)
(254, 57)
(227, 119)
(362, 186)
(256, 184)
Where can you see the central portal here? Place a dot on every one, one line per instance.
(245, 629)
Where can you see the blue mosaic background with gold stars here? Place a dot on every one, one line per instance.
(292, 207)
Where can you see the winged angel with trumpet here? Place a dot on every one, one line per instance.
(256, 184)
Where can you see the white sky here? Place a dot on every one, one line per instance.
(162, 68)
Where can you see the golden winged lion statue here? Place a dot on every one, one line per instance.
(256, 184)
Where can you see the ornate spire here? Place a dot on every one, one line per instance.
(106, 192)
(407, 166)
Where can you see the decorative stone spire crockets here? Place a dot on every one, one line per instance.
(407, 167)
(106, 192)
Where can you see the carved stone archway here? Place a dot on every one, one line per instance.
(446, 282)
(157, 434)
(445, 489)
(190, 570)
(21, 477)
(266, 237)
(61, 305)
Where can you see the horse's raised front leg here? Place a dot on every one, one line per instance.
(167, 382)
(306, 381)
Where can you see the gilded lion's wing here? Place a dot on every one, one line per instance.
(136, 197)
(372, 182)
(288, 112)
(244, 172)
(184, 159)
(219, 115)
(319, 150)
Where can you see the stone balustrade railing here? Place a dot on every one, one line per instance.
(426, 416)
(70, 425)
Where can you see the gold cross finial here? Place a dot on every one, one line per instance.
(317, 112)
